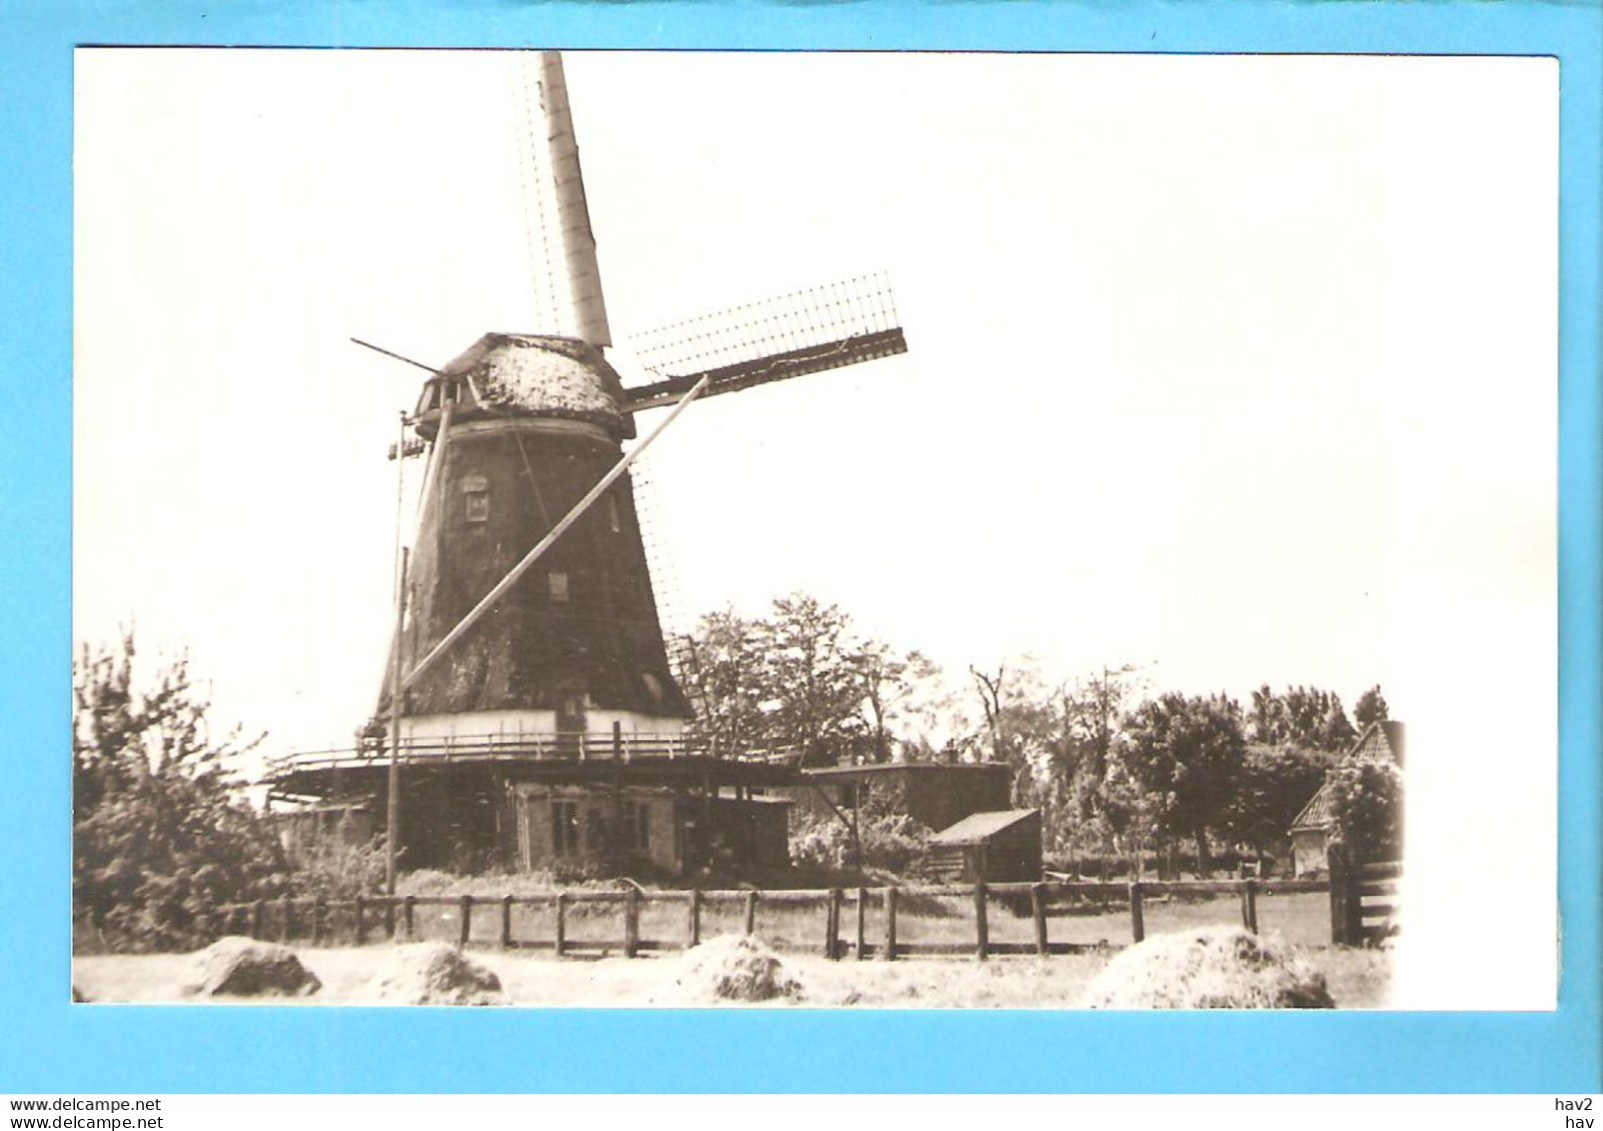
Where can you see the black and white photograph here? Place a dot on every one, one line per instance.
(821, 530)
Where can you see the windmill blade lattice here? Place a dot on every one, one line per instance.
(806, 331)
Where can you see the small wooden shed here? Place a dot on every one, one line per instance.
(997, 847)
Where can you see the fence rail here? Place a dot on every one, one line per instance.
(1363, 906)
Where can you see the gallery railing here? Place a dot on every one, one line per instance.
(507, 746)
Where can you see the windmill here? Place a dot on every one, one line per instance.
(531, 699)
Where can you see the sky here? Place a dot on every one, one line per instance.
(1241, 369)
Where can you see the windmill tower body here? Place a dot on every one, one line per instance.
(572, 656)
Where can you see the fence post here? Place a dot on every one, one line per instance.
(465, 928)
(285, 919)
(751, 912)
(506, 922)
(409, 910)
(389, 918)
(317, 921)
(1038, 913)
(257, 910)
(832, 924)
(1138, 927)
(892, 895)
(631, 922)
(361, 926)
(982, 931)
(1249, 905)
(1353, 900)
(562, 922)
(695, 917)
(862, 923)
(1338, 897)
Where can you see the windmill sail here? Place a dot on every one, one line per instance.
(562, 245)
(807, 331)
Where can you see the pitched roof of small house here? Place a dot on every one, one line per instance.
(1315, 814)
(977, 828)
(1382, 741)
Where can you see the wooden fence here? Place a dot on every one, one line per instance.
(1363, 902)
(843, 927)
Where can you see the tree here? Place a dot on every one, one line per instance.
(798, 678)
(1274, 784)
(814, 687)
(1186, 755)
(1309, 717)
(882, 673)
(720, 668)
(1370, 708)
(159, 841)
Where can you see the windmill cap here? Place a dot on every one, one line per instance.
(541, 375)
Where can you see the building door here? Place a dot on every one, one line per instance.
(571, 725)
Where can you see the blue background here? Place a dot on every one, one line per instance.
(45, 1046)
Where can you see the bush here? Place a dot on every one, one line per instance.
(159, 841)
(1366, 810)
(333, 869)
(891, 842)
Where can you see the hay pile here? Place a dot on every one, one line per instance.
(1208, 968)
(436, 974)
(248, 968)
(735, 968)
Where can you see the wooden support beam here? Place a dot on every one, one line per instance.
(560, 930)
(862, 924)
(694, 926)
(1138, 927)
(751, 912)
(506, 922)
(1249, 905)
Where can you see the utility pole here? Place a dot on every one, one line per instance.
(392, 812)
(392, 815)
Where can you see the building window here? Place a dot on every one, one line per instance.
(637, 825)
(476, 498)
(565, 828)
(557, 586)
(614, 519)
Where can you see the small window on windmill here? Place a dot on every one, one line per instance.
(614, 519)
(653, 686)
(476, 498)
(557, 585)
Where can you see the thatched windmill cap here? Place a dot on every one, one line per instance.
(535, 375)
